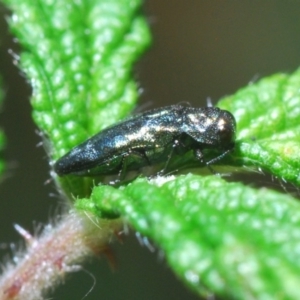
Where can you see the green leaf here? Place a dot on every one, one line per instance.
(268, 129)
(236, 241)
(78, 56)
(222, 237)
(226, 238)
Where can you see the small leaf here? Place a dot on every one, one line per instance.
(78, 56)
(268, 130)
(223, 237)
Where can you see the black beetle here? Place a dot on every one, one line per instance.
(152, 137)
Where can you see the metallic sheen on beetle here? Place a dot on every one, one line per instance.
(150, 138)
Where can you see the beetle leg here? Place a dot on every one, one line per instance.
(142, 153)
(123, 164)
(218, 157)
(199, 155)
(176, 143)
(123, 167)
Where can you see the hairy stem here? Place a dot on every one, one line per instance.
(59, 251)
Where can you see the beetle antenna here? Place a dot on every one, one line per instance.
(209, 102)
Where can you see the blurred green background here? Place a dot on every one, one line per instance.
(201, 49)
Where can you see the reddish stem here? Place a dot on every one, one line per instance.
(59, 251)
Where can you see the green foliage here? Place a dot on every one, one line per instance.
(267, 115)
(78, 56)
(219, 237)
(234, 240)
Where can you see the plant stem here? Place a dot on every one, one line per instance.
(59, 251)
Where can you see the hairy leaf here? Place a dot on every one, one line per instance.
(268, 129)
(219, 237)
(78, 56)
